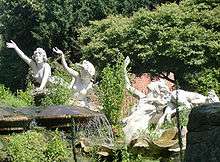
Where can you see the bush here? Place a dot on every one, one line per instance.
(57, 95)
(33, 146)
(112, 91)
(205, 80)
(57, 149)
(21, 99)
(27, 147)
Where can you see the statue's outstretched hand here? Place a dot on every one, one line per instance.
(58, 51)
(11, 44)
(127, 61)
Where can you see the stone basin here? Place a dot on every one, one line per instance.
(10, 120)
(60, 116)
(50, 116)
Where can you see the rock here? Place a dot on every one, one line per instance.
(167, 139)
(203, 137)
(105, 150)
(140, 142)
(84, 142)
(102, 153)
(11, 121)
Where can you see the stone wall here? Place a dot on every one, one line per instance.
(203, 137)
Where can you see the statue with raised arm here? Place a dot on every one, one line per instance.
(41, 70)
(141, 113)
(81, 80)
(158, 90)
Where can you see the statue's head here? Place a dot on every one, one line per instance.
(40, 55)
(88, 70)
(88, 66)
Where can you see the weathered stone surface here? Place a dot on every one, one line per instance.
(167, 139)
(204, 117)
(203, 138)
(10, 120)
(21, 118)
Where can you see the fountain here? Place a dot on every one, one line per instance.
(79, 121)
(54, 117)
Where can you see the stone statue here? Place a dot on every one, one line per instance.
(212, 97)
(187, 100)
(81, 80)
(159, 98)
(141, 113)
(158, 92)
(41, 70)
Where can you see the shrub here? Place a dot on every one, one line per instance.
(112, 91)
(181, 39)
(21, 99)
(57, 95)
(205, 80)
(33, 146)
(57, 149)
(27, 147)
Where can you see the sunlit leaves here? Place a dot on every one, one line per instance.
(183, 39)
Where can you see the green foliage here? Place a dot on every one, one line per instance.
(57, 149)
(26, 97)
(168, 125)
(127, 155)
(27, 147)
(206, 80)
(13, 70)
(181, 39)
(112, 91)
(60, 72)
(202, 4)
(33, 146)
(22, 98)
(57, 95)
(55, 23)
(3, 149)
(153, 135)
(184, 117)
(103, 40)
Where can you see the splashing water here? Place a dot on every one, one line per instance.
(97, 129)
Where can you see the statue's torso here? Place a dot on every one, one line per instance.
(38, 73)
(80, 88)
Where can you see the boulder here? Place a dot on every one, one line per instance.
(203, 137)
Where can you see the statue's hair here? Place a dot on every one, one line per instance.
(42, 52)
(89, 67)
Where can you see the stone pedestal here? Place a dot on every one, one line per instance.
(203, 138)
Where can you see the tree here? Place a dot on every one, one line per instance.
(183, 39)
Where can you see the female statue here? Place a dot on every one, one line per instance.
(38, 63)
(141, 113)
(81, 80)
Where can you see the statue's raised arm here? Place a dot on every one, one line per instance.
(64, 63)
(20, 53)
(128, 83)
